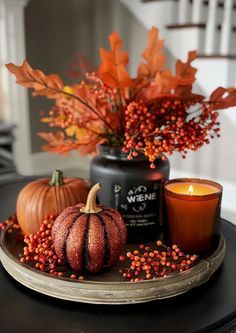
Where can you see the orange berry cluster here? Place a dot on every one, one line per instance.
(146, 263)
(100, 89)
(171, 125)
(60, 117)
(39, 251)
(11, 224)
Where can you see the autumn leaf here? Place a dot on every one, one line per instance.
(185, 74)
(185, 93)
(72, 96)
(184, 70)
(57, 143)
(91, 147)
(112, 69)
(45, 85)
(79, 67)
(68, 90)
(113, 118)
(71, 131)
(163, 83)
(153, 55)
(45, 120)
(223, 98)
(53, 87)
(79, 132)
(56, 137)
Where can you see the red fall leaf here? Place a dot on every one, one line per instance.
(185, 93)
(79, 67)
(112, 69)
(185, 74)
(45, 85)
(163, 83)
(153, 55)
(184, 70)
(223, 98)
(58, 143)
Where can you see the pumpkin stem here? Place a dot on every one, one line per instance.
(91, 206)
(57, 178)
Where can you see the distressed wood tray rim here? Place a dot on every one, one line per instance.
(111, 292)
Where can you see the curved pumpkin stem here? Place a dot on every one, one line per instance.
(91, 206)
(57, 178)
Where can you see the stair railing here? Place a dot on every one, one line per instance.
(197, 11)
(217, 15)
(211, 26)
(226, 27)
(183, 11)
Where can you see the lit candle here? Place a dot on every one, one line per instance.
(193, 213)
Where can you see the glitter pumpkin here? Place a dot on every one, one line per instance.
(89, 237)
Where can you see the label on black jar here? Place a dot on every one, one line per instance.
(138, 204)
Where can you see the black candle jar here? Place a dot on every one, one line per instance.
(133, 188)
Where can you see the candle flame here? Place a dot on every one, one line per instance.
(190, 189)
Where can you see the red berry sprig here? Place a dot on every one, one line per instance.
(60, 116)
(40, 253)
(11, 224)
(167, 126)
(146, 263)
(100, 89)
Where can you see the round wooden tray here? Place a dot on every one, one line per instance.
(107, 287)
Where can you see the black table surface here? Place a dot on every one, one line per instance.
(208, 308)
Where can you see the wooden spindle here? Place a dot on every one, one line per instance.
(197, 11)
(226, 28)
(211, 28)
(183, 11)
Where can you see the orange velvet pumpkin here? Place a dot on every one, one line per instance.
(45, 196)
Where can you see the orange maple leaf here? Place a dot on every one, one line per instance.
(112, 69)
(45, 85)
(163, 83)
(185, 74)
(153, 55)
(52, 86)
(184, 70)
(57, 143)
(185, 93)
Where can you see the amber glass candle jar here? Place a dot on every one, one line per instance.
(193, 213)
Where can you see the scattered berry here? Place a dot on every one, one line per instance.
(147, 263)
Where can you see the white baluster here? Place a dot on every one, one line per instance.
(197, 11)
(211, 28)
(226, 27)
(183, 11)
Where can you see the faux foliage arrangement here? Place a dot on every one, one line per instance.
(155, 113)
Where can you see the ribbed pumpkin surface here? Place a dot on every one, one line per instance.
(89, 241)
(39, 198)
